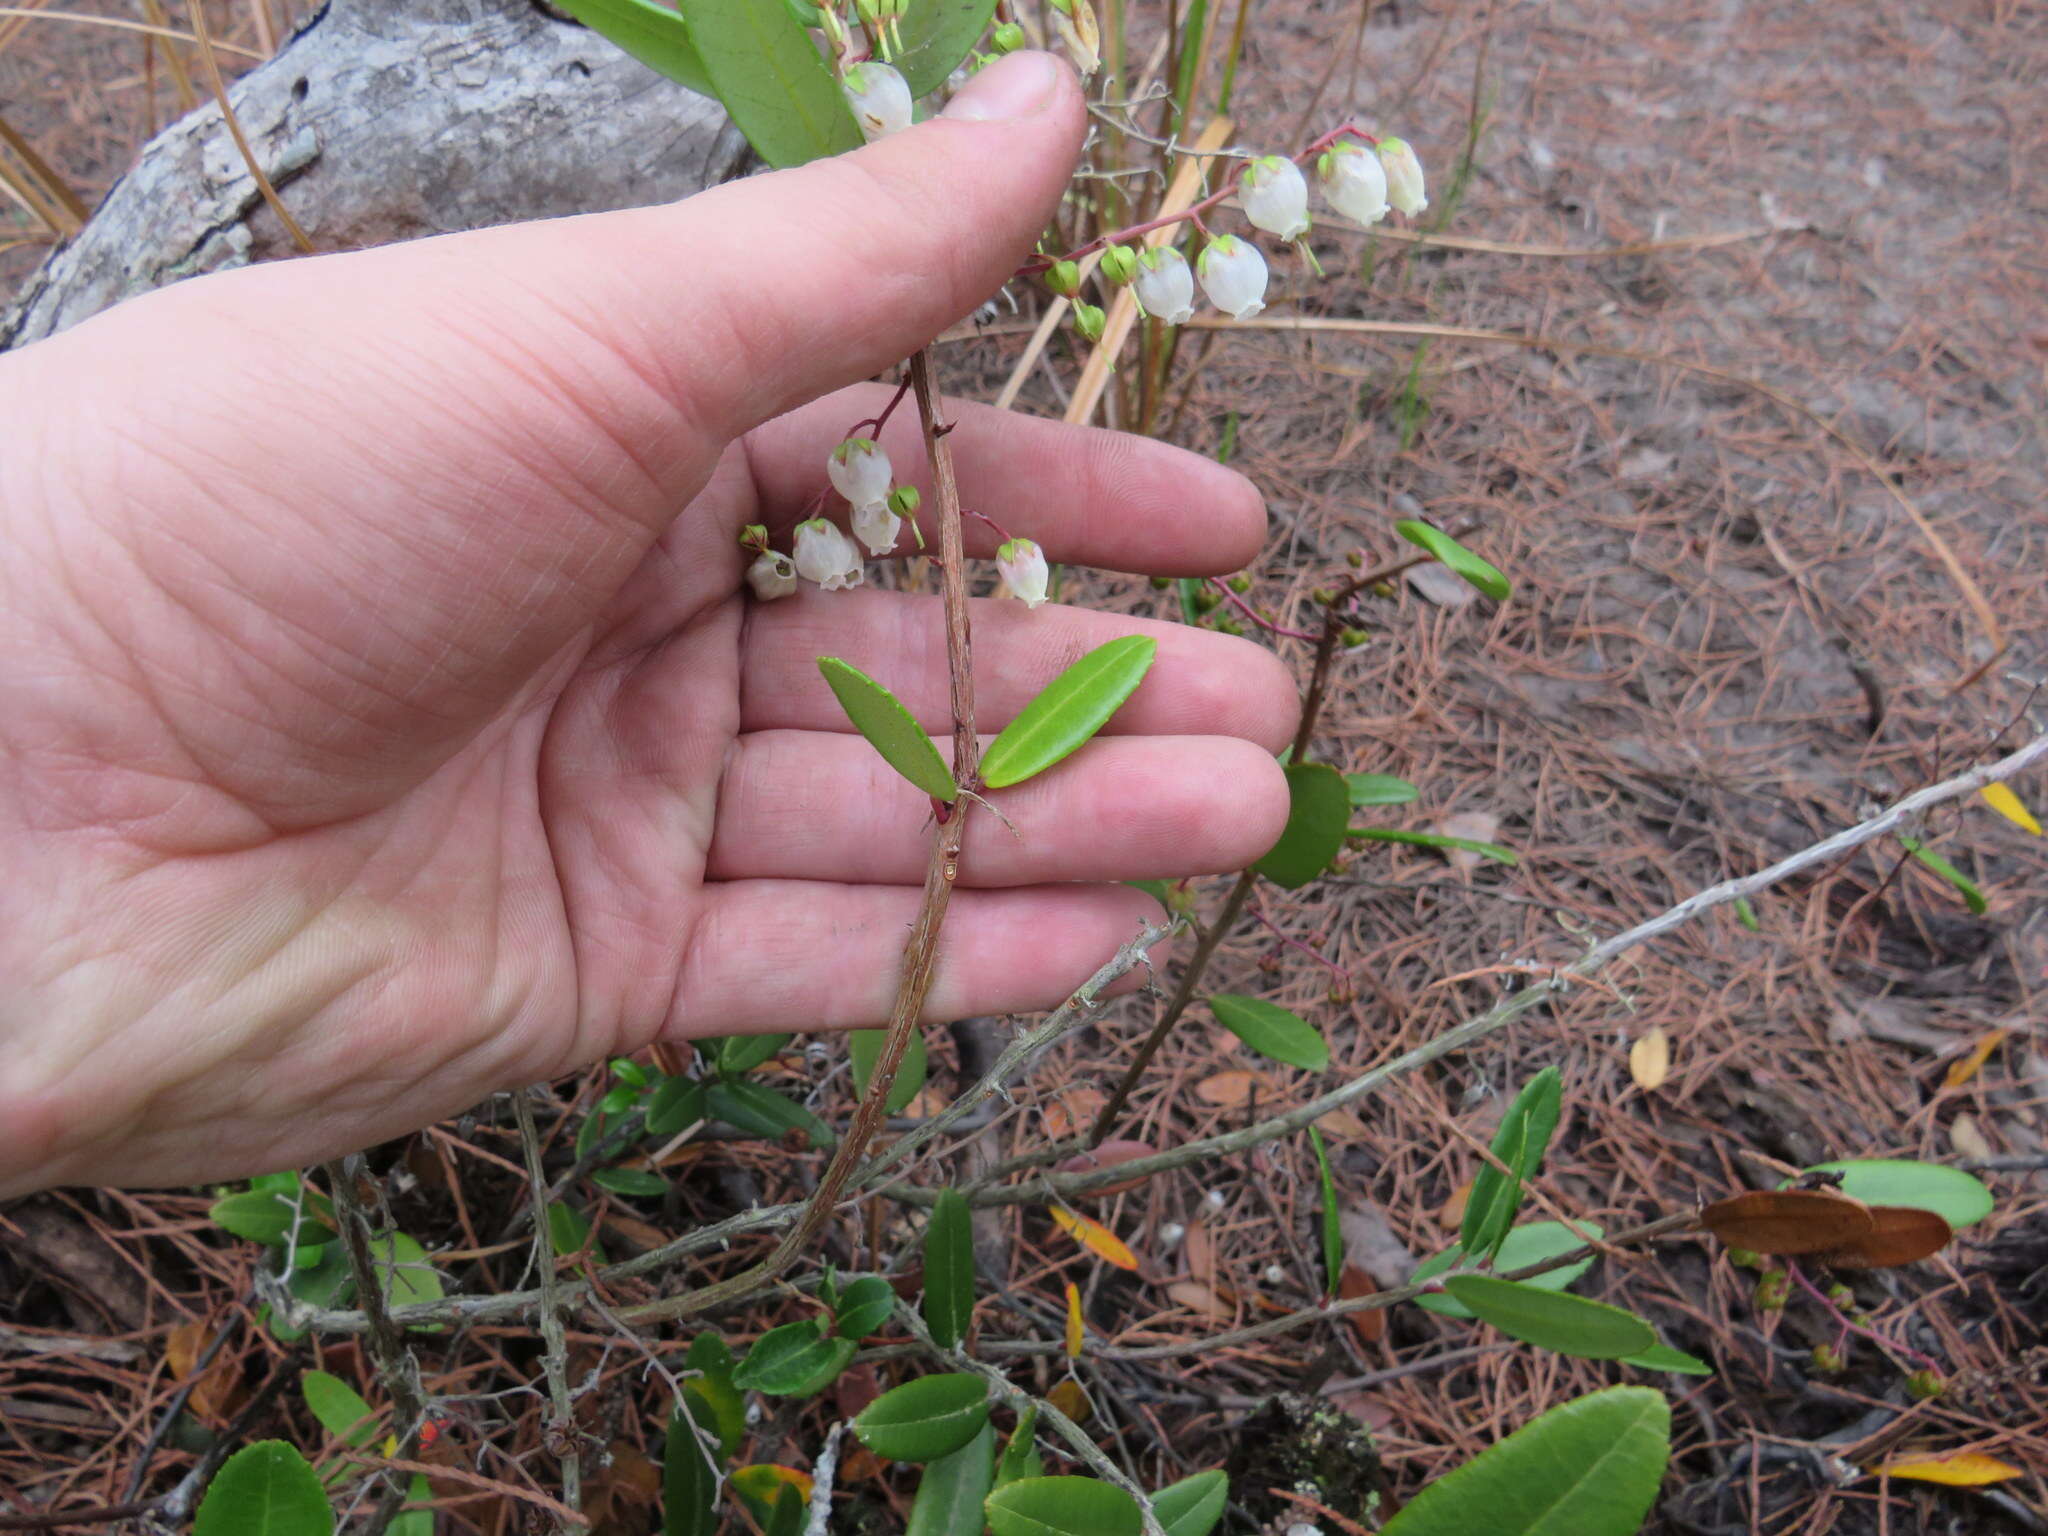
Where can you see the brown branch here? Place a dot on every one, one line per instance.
(554, 1356)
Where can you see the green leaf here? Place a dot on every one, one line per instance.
(794, 1360)
(1530, 1243)
(1492, 851)
(677, 1104)
(773, 81)
(1271, 1030)
(740, 1054)
(1068, 710)
(1662, 1357)
(568, 1228)
(1379, 789)
(863, 1306)
(627, 1070)
(339, 1408)
(949, 1268)
(415, 1521)
(925, 1419)
(889, 728)
(653, 34)
(266, 1216)
(1571, 1325)
(689, 1485)
(634, 1183)
(1062, 1506)
(1959, 1198)
(325, 1282)
(1588, 1468)
(1333, 1231)
(265, 1489)
(1519, 1143)
(619, 1100)
(1460, 559)
(1965, 886)
(1745, 914)
(408, 1276)
(864, 1049)
(937, 35)
(950, 1494)
(753, 1107)
(1192, 1506)
(1319, 810)
(1020, 1457)
(715, 1402)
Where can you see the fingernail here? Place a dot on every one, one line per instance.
(1015, 86)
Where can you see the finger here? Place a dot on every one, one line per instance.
(795, 955)
(1200, 684)
(1088, 496)
(812, 805)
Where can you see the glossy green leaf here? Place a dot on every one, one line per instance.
(773, 81)
(689, 1484)
(1961, 1199)
(937, 35)
(1379, 789)
(794, 1360)
(1319, 811)
(676, 1105)
(339, 1407)
(740, 1054)
(1569, 1324)
(1333, 1231)
(634, 1183)
(409, 1277)
(265, 1489)
(715, 1403)
(1192, 1506)
(889, 728)
(1492, 851)
(568, 1229)
(775, 1503)
(266, 1216)
(1530, 1243)
(1271, 1030)
(1068, 711)
(1062, 1506)
(862, 1308)
(1965, 886)
(1524, 1133)
(416, 1519)
(1455, 555)
(1662, 1357)
(653, 34)
(325, 1281)
(1020, 1458)
(618, 1101)
(1588, 1468)
(1745, 914)
(949, 1268)
(924, 1419)
(864, 1049)
(755, 1107)
(627, 1070)
(950, 1494)
(596, 1126)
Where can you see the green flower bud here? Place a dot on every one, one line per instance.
(1240, 584)
(1007, 38)
(1922, 1385)
(1064, 278)
(1088, 321)
(1229, 626)
(1119, 264)
(1841, 1295)
(754, 536)
(1772, 1291)
(1322, 595)
(1161, 583)
(1354, 638)
(1356, 559)
(869, 12)
(1206, 600)
(1745, 1258)
(1827, 1359)
(905, 500)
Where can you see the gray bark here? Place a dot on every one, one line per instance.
(384, 120)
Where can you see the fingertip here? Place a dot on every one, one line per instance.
(1240, 689)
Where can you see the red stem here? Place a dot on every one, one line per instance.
(1890, 1345)
(1246, 609)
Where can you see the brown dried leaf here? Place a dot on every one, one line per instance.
(1231, 1088)
(1200, 1248)
(1788, 1221)
(1968, 1138)
(1342, 1125)
(1070, 1399)
(1899, 1234)
(1474, 827)
(1371, 1325)
(1197, 1297)
(1109, 1155)
(183, 1346)
(1452, 1215)
(1441, 585)
(1074, 1110)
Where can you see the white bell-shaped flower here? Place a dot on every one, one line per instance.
(860, 471)
(826, 556)
(1275, 197)
(1233, 274)
(877, 527)
(771, 575)
(1165, 286)
(1024, 571)
(1404, 176)
(1353, 181)
(880, 98)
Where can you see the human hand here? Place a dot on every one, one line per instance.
(381, 721)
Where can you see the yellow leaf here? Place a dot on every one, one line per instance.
(762, 1480)
(1070, 1399)
(1649, 1059)
(1453, 1213)
(1962, 1469)
(1074, 1334)
(2007, 804)
(1966, 1066)
(1095, 1237)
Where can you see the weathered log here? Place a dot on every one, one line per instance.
(384, 120)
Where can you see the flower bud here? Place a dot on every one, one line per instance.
(1024, 571)
(877, 527)
(1922, 1385)
(1160, 583)
(1745, 1258)
(1007, 38)
(806, 14)
(1404, 176)
(1354, 638)
(1119, 264)
(826, 556)
(905, 500)
(1773, 1290)
(1827, 1359)
(1240, 583)
(1275, 197)
(1234, 276)
(1841, 1295)
(1165, 285)
(869, 12)
(880, 99)
(754, 536)
(1064, 278)
(1088, 321)
(1353, 181)
(771, 575)
(859, 470)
